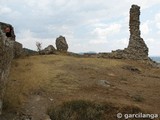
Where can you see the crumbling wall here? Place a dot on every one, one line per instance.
(9, 49)
(137, 49)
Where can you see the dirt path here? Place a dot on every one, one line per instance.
(36, 108)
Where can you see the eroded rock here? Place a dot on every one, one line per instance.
(61, 44)
(9, 49)
(48, 50)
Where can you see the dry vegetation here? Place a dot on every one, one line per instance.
(57, 79)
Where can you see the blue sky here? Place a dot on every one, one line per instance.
(88, 25)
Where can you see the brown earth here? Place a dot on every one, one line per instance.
(38, 82)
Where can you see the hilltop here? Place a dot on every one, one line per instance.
(38, 82)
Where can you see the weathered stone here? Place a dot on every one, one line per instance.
(17, 49)
(48, 50)
(61, 44)
(104, 83)
(137, 49)
(131, 68)
(136, 45)
(4, 26)
(6, 56)
(8, 50)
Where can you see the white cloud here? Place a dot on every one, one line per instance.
(157, 20)
(145, 28)
(103, 31)
(144, 3)
(98, 41)
(5, 10)
(87, 24)
(28, 39)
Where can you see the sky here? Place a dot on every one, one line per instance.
(88, 25)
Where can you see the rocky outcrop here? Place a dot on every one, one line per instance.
(4, 26)
(6, 56)
(9, 49)
(61, 44)
(48, 50)
(137, 49)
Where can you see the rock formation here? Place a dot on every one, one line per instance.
(9, 49)
(61, 44)
(137, 49)
(48, 50)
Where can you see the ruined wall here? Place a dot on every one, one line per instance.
(9, 49)
(137, 49)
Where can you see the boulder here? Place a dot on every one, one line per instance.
(48, 50)
(61, 44)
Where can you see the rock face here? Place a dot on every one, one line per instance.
(61, 44)
(17, 49)
(137, 49)
(4, 26)
(48, 50)
(9, 49)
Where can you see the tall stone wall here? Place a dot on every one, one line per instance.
(137, 46)
(9, 49)
(137, 49)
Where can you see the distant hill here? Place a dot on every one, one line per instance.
(29, 51)
(90, 52)
(156, 58)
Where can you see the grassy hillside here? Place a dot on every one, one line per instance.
(45, 81)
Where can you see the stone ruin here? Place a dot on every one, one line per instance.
(9, 49)
(137, 49)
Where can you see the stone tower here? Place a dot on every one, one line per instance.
(137, 46)
(137, 49)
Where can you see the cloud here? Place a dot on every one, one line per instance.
(28, 39)
(88, 25)
(4, 10)
(98, 41)
(145, 28)
(104, 31)
(157, 20)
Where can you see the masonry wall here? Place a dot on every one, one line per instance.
(137, 49)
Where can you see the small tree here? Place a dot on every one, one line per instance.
(39, 46)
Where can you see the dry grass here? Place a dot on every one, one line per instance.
(87, 110)
(64, 78)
